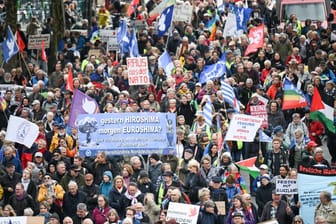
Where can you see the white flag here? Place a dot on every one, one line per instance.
(230, 28)
(21, 131)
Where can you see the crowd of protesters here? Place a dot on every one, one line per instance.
(50, 179)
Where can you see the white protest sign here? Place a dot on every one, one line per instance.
(183, 213)
(260, 111)
(182, 13)
(35, 41)
(137, 69)
(81, 31)
(106, 34)
(243, 128)
(112, 44)
(286, 186)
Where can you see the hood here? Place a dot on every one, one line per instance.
(109, 174)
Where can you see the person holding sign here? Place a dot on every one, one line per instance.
(277, 210)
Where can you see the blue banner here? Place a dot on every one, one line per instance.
(127, 133)
(311, 181)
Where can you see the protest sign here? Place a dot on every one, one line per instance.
(269, 222)
(182, 13)
(139, 24)
(220, 207)
(286, 186)
(183, 213)
(260, 111)
(243, 128)
(34, 41)
(137, 69)
(22, 219)
(127, 133)
(311, 181)
(95, 52)
(80, 31)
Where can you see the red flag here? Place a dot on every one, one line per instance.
(317, 103)
(44, 55)
(69, 85)
(256, 38)
(20, 42)
(132, 6)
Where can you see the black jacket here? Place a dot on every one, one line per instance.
(115, 199)
(70, 202)
(19, 205)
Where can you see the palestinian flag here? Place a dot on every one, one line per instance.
(293, 97)
(248, 166)
(322, 112)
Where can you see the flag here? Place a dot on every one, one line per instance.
(212, 27)
(322, 112)
(69, 84)
(81, 104)
(219, 132)
(159, 9)
(165, 20)
(207, 111)
(242, 17)
(21, 131)
(43, 53)
(230, 28)
(166, 63)
(229, 95)
(248, 166)
(122, 37)
(263, 137)
(214, 71)
(132, 6)
(94, 36)
(3, 103)
(256, 39)
(134, 49)
(20, 42)
(293, 97)
(9, 46)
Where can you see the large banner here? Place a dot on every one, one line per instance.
(183, 213)
(127, 133)
(311, 181)
(243, 128)
(137, 69)
(22, 220)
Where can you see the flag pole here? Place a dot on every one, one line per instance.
(25, 63)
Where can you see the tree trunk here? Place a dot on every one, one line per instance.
(58, 25)
(11, 18)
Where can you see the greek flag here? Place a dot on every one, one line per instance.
(207, 111)
(229, 95)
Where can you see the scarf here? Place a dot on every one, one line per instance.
(133, 199)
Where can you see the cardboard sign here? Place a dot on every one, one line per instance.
(34, 41)
(260, 111)
(220, 207)
(243, 128)
(137, 69)
(183, 213)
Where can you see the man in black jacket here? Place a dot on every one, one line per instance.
(21, 200)
(9, 180)
(72, 198)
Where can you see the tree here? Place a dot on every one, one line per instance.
(58, 28)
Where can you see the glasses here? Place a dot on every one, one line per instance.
(46, 178)
(297, 221)
(88, 180)
(248, 199)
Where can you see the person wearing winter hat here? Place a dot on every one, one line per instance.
(154, 169)
(106, 184)
(308, 153)
(264, 192)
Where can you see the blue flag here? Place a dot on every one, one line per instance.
(166, 63)
(134, 50)
(214, 71)
(122, 37)
(263, 137)
(165, 20)
(242, 16)
(207, 111)
(9, 46)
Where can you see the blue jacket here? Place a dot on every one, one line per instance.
(15, 161)
(106, 187)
